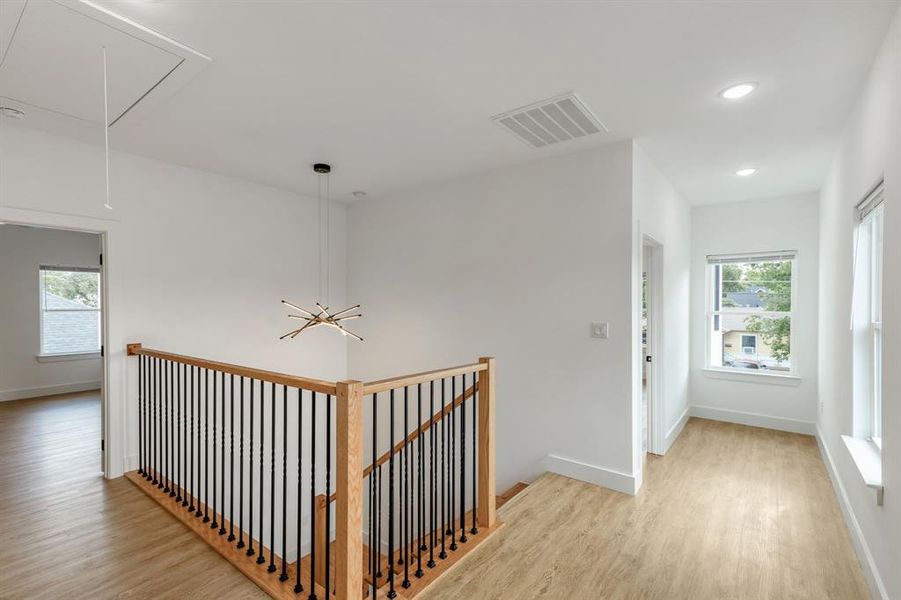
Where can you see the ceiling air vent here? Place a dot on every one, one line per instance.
(551, 121)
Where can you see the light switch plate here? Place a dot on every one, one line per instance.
(600, 330)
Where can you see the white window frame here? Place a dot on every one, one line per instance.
(867, 362)
(62, 356)
(790, 377)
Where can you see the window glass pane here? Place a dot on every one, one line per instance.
(71, 331)
(762, 286)
(70, 311)
(752, 342)
(61, 288)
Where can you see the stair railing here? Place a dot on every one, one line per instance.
(253, 461)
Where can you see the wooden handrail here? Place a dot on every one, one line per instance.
(424, 427)
(315, 385)
(383, 385)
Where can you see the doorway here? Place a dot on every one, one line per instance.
(651, 344)
(52, 352)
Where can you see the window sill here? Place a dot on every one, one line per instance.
(868, 459)
(47, 358)
(752, 377)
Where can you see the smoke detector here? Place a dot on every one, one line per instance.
(551, 121)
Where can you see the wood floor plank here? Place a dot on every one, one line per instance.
(69, 533)
(730, 512)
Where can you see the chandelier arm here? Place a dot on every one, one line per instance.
(303, 310)
(338, 314)
(347, 317)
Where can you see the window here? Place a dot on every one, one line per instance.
(866, 319)
(750, 312)
(749, 344)
(70, 310)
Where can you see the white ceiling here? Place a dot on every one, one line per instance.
(398, 95)
(51, 66)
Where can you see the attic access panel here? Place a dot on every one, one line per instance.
(51, 67)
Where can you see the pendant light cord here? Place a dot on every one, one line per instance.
(321, 276)
(107, 204)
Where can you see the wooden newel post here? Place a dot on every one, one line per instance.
(349, 492)
(486, 512)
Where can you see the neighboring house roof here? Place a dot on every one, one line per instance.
(750, 298)
(65, 331)
(54, 302)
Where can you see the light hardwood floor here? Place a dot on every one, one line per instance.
(68, 533)
(730, 512)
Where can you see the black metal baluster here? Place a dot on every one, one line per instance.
(328, 491)
(453, 471)
(185, 478)
(408, 491)
(284, 575)
(372, 498)
(192, 491)
(272, 568)
(298, 587)
(170, 432)
(420, 504)
(222, 530)
(140, 415)
(475, 453)
(443, 554)
(433, 520)
(179, 473)
(173, 389)
(391, 592)
(312, 497)
(463, 537)
(165, 393)
(231, 460)
(241, 470)
(161, 425)
(250, 550)
(158, 472)
(262, 556)
(215, 523)
(148, 399)
(206, 446)
(371, 523)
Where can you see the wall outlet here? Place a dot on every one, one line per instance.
(600, 330)
(822, 406)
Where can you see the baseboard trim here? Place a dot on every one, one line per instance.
(48, 390)
(864, 556)
(608, 478)
(676, 430)
(754, 419)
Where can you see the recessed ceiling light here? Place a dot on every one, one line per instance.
(12, 113)
(359, 194)
(739, 90)
(747, 172)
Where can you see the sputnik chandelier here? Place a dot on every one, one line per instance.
(321, 316)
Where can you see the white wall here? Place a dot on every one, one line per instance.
(870, 149)
(664, 216)
(22, 252)
(513, 264)
(789, 223)
(196, 263)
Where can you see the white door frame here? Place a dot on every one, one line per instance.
(653, 250)
(86, 225)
